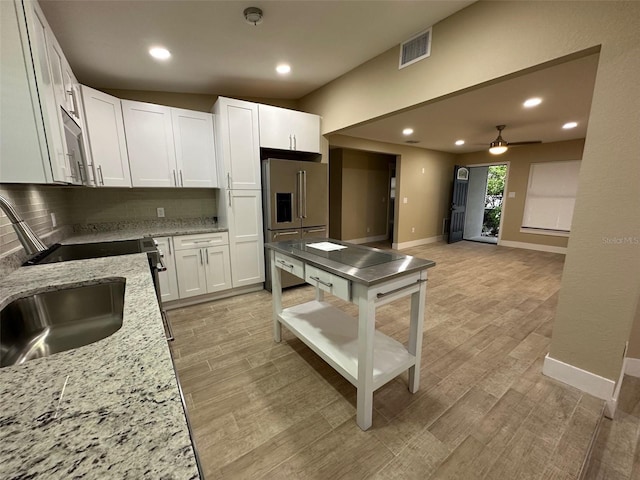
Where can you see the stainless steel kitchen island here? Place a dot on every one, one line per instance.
(369, 278)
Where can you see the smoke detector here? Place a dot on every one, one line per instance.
(253, 15)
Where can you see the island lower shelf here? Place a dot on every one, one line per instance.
(333, 335)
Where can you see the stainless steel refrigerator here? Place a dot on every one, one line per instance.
(295, 199)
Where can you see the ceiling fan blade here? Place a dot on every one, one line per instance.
(529, 142)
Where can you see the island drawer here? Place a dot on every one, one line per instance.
(338, 286)
(289, 264)
(183, 242)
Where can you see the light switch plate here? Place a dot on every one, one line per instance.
(512, 194)
(160, 211)
(404, 200)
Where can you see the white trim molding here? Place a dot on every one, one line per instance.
(532, 246)
(377, 238)
(417, 243)
(542, 231)
(588, 382)
(632, 366)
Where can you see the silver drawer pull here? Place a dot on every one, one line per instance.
(282, 262)
(326, 284)
(380, 295)
(202, 241)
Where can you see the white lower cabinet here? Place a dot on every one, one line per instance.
(205, 269)
(168, 279)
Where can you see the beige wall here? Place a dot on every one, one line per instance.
(423, 177)
(335, 193)
(489, 40)
(35, 204)
(520, 160)
(191, 101)
(364, 193)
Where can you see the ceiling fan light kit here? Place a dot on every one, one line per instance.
(499, 145)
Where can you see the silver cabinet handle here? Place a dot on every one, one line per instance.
(80, 172)
(206, 253)
(74, 103)
(228, 180)
(290, 143)
(295, 143)
(202, 241)
(175, 181)
(317, 279)
(100, 176)
(282, 262)
(380, 295)
(201, 262)
(229, 197)
(181, 181)
(316, 230)
(169, 244)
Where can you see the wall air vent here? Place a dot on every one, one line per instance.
(415, 49)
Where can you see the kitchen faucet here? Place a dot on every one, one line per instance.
(28, 238)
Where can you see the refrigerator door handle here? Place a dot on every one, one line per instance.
(304, 179)
(299, 193)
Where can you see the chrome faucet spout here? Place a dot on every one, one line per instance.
(28, 238)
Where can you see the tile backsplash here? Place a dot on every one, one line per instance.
(81, 206)
(35, 204)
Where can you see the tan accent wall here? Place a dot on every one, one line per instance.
(422, 176)
(35, 204)
(191, 101)
(364, 192)
(490, 40)
(335, 193)
(520, 160)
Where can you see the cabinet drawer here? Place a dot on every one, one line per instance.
(291, 265)
(200, 240)
(338, 286)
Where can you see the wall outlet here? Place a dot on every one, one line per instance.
(422, 169)
(413, 229)
(512, 194)
(404, 200)
(160, 211)
(54, 223)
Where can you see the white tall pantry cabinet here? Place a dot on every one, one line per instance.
(240, 203)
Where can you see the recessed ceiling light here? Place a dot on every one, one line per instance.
(283, 69)
(532, 102)
(160, 53)
(570, 125)
(459, 142)
(407, 131)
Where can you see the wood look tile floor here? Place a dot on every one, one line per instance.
(484, 410)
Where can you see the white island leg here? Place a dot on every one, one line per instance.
(415, 332)
(276, 296)
(366, 330)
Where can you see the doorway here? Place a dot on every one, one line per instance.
(484, 203)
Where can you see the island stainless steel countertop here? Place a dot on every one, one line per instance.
(365, 265)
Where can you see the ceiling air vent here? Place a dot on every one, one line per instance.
(415, 49)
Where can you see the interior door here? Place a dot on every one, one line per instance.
(458, 203)
(315, 202)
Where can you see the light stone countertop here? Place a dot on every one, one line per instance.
(108, 410)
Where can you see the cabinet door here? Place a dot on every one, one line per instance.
(38, 29)
(106, 140)
(195, 148)
(238, 134)
(306, 131)
(23, 150)
(192, 279)
(168, 279)
(218, 267)
(246, 237)
(275, 128)
(150, 144)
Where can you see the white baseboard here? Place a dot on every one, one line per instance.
(377, 238)
(588, 382)
(532, 246)
(209, 297)
(416, 243)
(632, 366)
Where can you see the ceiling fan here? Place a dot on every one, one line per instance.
(500, 145)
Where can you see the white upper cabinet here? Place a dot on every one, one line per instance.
(238, 144)
(285, 129)
(195, 148)
(150, 144)
(169, 147)
(104, 134)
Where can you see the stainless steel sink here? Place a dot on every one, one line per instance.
(50, 322)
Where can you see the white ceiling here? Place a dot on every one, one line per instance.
(215, 51)
(566, 90)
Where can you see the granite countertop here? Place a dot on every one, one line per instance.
(364, 265)
(111, 409)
